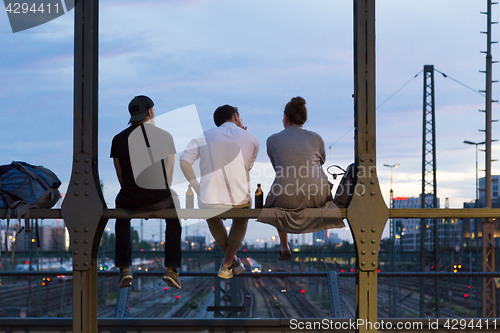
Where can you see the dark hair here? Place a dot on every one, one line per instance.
(223, 114)
(296, 111)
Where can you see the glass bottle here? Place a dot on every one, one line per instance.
(259, 197)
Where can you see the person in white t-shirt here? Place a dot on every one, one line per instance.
(227, 153)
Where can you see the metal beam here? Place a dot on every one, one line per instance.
(367, 213)
(83, 206)
(405, 213)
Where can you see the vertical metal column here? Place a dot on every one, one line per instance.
(83, 205)
(489, 288)
(367, 213)
(429, 183)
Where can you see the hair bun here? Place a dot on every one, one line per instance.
(298, 101)
(296, 110)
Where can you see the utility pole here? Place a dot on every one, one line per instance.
(429, 183)
(489, 288)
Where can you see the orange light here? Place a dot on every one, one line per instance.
(43, 283)
(48, 279)
(400, 198)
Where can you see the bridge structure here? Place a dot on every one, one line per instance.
(85, 213)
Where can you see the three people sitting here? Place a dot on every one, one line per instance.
(226, 153)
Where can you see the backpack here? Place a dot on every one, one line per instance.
(347, 185)
(24, 186)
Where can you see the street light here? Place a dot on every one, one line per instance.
(477, 179)
(391, 166)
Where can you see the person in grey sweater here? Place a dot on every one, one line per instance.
(297, 156)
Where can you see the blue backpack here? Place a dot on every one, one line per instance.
(24, 186)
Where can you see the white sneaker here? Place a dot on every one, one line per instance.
(238, 267)
(225, 272)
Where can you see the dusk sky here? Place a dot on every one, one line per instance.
(256, 56)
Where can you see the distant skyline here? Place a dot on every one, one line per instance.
(256, 56)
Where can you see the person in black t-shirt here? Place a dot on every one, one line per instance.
(143, 155)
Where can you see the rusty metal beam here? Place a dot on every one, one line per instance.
(367, 213)
(405, 213)
(83, 206)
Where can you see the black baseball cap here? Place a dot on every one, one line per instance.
(138, 107)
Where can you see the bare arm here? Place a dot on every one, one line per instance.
(187, 170)
(118, 169)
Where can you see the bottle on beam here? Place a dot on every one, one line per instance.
(259, 197)
(189, 197)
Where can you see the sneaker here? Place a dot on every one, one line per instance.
(225, 272)
(125, 278)
(238, 267)
(172, 278)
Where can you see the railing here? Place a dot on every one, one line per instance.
(290, 324)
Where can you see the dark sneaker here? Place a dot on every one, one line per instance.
(125, 278)
(225, 272)
(238, 267)
(172, 278)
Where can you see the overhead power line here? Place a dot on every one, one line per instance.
(461, 83)
(404, 85)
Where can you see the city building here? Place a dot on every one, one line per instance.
(325, 237)
(494, 192)
(407, 231)
(320, 237)
(51, 238)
